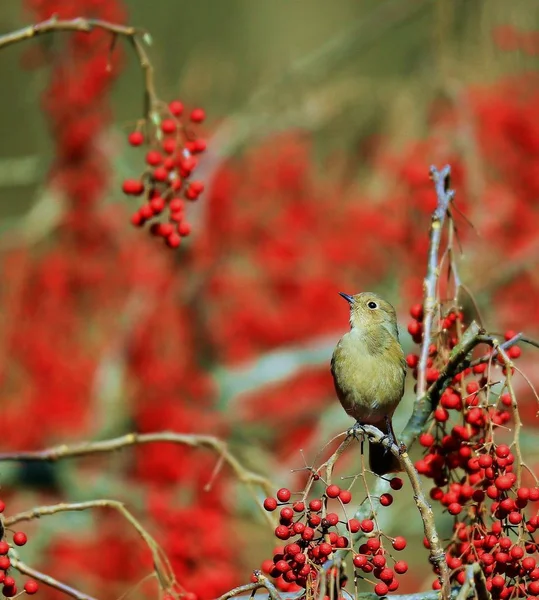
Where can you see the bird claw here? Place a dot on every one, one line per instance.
(356, 430)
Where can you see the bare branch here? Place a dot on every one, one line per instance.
(444, 195)
(162, 567)
(131, 439)
(48, 580)
(133, 34)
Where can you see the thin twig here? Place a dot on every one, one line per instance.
(134, 35)
(87, 448)
(241, 589)
(430, 284)
(48, 580)
(162, 567)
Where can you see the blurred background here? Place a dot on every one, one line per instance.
(323, 120)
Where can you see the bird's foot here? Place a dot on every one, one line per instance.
(356, 430)
(388, 439)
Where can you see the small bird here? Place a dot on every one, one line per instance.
(369, 370)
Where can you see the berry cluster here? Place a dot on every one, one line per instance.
(7, 581)
(313, 536)
(166, 184)
(476, 477)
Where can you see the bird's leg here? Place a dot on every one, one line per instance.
(388, 439)
(356, 430)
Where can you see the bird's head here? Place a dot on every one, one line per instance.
(369, 310)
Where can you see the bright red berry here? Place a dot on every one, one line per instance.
(381, 589)
(176, 108)
(399, 543)
(386, 499)
(332, 491)
(197, 115)
(19, 538)
(135, 138)
(283, 495)
(31, 587)
(400, 567)
(345, 496)
(133, 187)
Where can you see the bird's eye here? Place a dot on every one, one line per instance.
(372, 305)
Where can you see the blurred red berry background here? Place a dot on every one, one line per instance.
(104, 330)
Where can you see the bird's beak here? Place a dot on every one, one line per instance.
(347, 297)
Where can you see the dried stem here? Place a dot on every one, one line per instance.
(131, 439)
(437, 554)
(47, 579)
(135, 36)
(430, 285)
(162, 567)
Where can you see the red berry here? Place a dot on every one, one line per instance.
(184, 228)
(373, 544)
(135, 138)
(5, 563)
(360, 560)
(514, 352)
(287, 513)
(9, 590)
(282, 532)
(332, 491)
(169, 146)
(157, 204)
(400, 567)
(441, 414)
(173, 240)
(503, 482)
(325, 549)
(386, 575)
(367, 525)
(308, 533)
(386, 499)
(31, 587)
(412, 360)
(379, 561)
(414, 328)
(282, 566)
(399, 543)
(315, 505)
(19, 538)
(396, 483)
(353, 525)
(4, 547)
(416, 312)
(133, 187)
(298, 506)
(345, 496)
(154, 158)
(283, 495)
(502, 451)
(270, 504)
(454, 508)
(176, 108)
(197, 115)
(332, 519)
(381, 589)
(426, 439)
(168, 126)
(515, 518)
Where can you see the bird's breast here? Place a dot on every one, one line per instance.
(369, 384)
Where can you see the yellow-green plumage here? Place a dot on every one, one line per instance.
(369, 370)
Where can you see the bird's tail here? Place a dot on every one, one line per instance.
(381, 460)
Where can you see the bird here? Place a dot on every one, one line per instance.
(369, 371)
